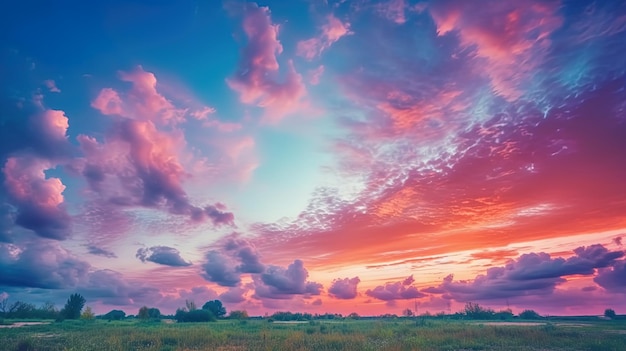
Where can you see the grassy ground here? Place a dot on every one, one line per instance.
(317, 335)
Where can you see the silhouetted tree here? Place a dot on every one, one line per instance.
(609, 313)
(529, 314)
(238, 314)
(154, 313)
(115, 315)
(476, 311)
(215, 307)
(143, 313)
(193, 316)
(73, 306)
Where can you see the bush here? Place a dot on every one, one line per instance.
(609, 313)
(115, 315)
(529, 314)
(183, 316)
(476, 311)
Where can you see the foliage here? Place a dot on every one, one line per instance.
(289, 316)
(504, 314)
(24, 310)
(143, 313)
(73, 307)
(407, 312)
(191, 305)
(87, 314)
(610, 313)
(215, 307)
(238, 314)
(529, 314)
(476, 311)
(366, 334)
(354, 315)
(183, 316)
(114, 315)
(154, 313)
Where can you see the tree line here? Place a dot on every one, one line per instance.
(213, 310)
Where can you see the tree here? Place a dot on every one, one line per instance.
(238, 314)
(407, 312)
(193, 316)
(476, 311)
(191, 305)
(154, 313)
(529, 314)
(73, 306)
(215, 307)
(115, 315)
(143, 313)
(609, 313)
(87, 314)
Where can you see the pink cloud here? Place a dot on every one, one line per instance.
(316, 74)
(332, 31)
(51, 85)
(108, 102)
(39, 200)
(141, 102)
(345, 288)
(256, 80)
(513, 38)
(203, 114)
(54, 124)
(393, 10)
(139, 165)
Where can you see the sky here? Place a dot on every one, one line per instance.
(315, 156)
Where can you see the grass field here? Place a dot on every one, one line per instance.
(368, 334)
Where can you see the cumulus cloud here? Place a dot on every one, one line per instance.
(164, 255)
(345, 288)
(332, 31)
(530, 274)
(232, 257)
(218, 269)
(234, 295)
(256, 79)
(142, 101)
(110, 287)
(40, 264)
(613, 278)
(280, 283)
(98, 251)
(138, 165)
(39, 200)
(401, 290)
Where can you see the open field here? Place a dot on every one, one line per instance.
(371, 334)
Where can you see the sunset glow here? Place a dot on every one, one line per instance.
(315, 156)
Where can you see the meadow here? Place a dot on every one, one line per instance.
(364, 334)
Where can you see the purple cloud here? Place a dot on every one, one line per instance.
(401, 290)
(530, 274)
(164, 255)
(98, 251)
(345, 288)
(40, 264)
(39, 200)
(235, 256)
(280, 283)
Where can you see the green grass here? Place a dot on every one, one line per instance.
(319, 335)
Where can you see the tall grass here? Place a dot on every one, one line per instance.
(319, 335)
